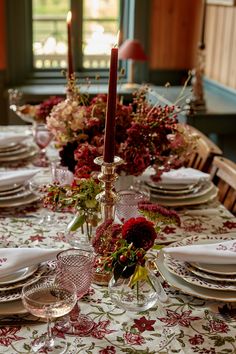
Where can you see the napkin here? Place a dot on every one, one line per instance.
(8, 178)
(223, 252)
(184, 175)
(13, 259)
(7, 138)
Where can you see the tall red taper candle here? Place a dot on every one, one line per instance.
(70, 69)
(109, 139)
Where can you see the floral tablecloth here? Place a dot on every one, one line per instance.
(184, 324)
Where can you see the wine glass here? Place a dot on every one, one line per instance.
(38, 186)
(60, 174)
(49, 298)
(77, 265)
(42, 137)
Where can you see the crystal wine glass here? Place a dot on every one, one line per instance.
(38, 186)
(49, 298)
(77, 265)
(42, 137)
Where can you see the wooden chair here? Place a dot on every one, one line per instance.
(223, 174)
(205, 151)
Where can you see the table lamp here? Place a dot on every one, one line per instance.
(132, 50)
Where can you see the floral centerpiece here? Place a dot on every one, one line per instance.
(39, 112)
(122, 247)
(132, 286)
(145, 135)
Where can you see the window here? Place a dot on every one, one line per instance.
(25, 36)
(100, 25)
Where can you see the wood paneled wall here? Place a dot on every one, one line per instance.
(221, 44)
(175, 29)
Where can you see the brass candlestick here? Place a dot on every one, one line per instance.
(108, 176)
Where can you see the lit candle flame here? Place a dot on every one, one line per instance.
(69, 17)
(116, 45)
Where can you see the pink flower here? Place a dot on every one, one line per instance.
(108, 350)
(131, 338)
(218, 326)
(8, 335)
(143, 324)
(100, 329)
(173, 318)
(196, 339)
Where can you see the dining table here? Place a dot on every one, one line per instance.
(187, 322)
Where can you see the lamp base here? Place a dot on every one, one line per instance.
(131, 86)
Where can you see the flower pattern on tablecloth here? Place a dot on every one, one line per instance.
(184, 324)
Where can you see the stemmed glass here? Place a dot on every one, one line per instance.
(49, 298)
(38, 186)
(42, 137)
(77, 265)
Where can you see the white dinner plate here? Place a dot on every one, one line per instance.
(174, 202)
(179, 267)
(18, 201)
(31, 151)
(20, 194)
(15, 294)
(219, 277)
(204, 189)
(226, 269)
(158, 186)
(16, 189)
(20, 274)
(10, 147)
(21, 149)
(29, 280)
(12, 308)
(190, 289)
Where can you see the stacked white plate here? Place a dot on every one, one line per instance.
(203, 280)
(11, 286)
(16, 195)
(182, 193)
(16, 151)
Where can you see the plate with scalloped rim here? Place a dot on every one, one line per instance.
(179, 268)
(15, 294)
(190, 289)
(211, 276)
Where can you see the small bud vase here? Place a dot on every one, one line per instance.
(140, 297)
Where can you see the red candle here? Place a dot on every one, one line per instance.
(109, 139)
(69, 53)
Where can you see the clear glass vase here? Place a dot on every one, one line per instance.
(79, 233)
(140, 297)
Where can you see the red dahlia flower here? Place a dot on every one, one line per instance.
(140, 232)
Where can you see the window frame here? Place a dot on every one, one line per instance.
(19, 42)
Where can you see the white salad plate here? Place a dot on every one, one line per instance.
(14, 202)
(180, 268)
(30, 152)
(226, 269)
(20, 274)
(206, 197)
(211, 276)
(191, 289)
(23, 192)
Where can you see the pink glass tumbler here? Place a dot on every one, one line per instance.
(77, 265)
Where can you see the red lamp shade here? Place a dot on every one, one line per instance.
(132, 49)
